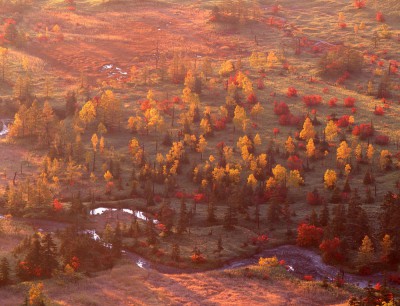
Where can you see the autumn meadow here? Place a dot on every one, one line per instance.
(232, 152)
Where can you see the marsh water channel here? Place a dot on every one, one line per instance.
(4, 126)
(299, 261)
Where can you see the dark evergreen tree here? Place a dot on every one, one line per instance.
(230, 219)
(167, 215)
(167, 141)
(183, 217)
(219, 245)
(76, 205)
(314, 218)
(389, 221)
(70, 103)
(150, 233)
(273, 212)
(368, 179)
(338, 224)
(49, 255)
(346, 187)
(336, 196)
(4, 272)
(257, 215)
(134, 229)
(324, 216)
(369, 199)
(211, 209)
(176, 252)
(357, 221)
(116, 241)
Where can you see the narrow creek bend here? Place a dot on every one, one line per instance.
(301, 261)
(4, 126)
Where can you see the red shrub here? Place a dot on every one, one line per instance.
(363, 130)
(294, 163)
(259, 239)
(197, 258)
(75, 263)
(308, 235)
(57, 206)
(343, 121)
(289, 120)
(308, 278)
(330, 249)
(291, 92)
(275, 131)
(332, 102)
(359, 3)
(342, 25)
(314, 198)
(281, 108)
(325, 90)
(312, 100)
(275, 9)
(251, 98)
(379, 17)
(199, 197)
(260, 84)
(382, 140)
(220, 124)
(379, 111)
(349, 102)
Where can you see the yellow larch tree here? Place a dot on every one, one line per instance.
(88, 113)
(308, 130)
(289, 145)
(370, 152)
(330, 178)
(295, 178)
(95, 141)
(358, 152)
(331, 131)
(256, 110)
(343, 152)
(279, 173)
(108, 176)
(366, 252)
(201, 146)
(385, 159)
(310, 148)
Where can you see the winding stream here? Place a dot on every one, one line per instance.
(300, 261)
(4, 131)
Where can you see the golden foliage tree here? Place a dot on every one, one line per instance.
(88, 113)
(386, 247)
(366, 252)
(310, 148)
(330, 178)
(343, 152)
(289, 145)
(331, 130)
(279, 173)
(385, 159)
(295, 178)
(308, 130)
